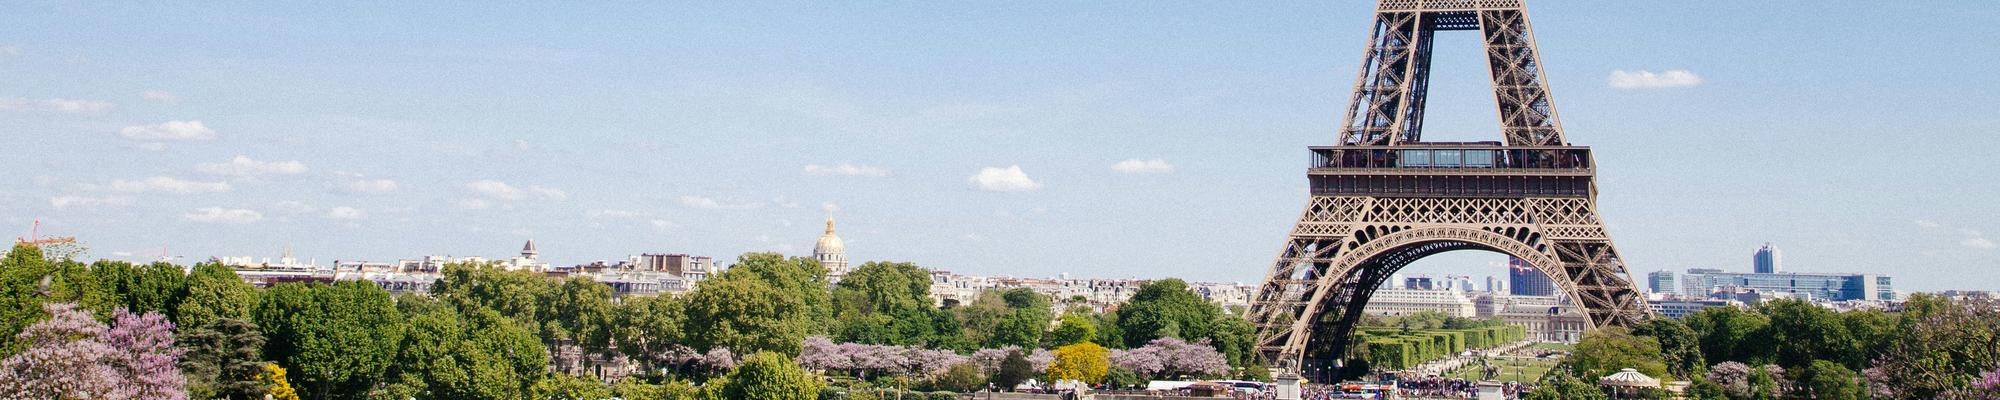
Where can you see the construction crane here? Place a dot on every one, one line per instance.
(35, 238)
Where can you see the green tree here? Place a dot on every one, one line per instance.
(515, 294)
(962, 378)
(338, 340)
(1607, 350)
(999, 318)
(213, 292)
(579, 311)
(887, 303)
(1801, 332)
(1731, 334)
(1013, 370)
(745, 315)
(1085, 362)
(1680, 346)
(1564, 384)
(223, 359)
(635, 389)
(1166, 308)
(800, 277)
(480, 355)
(568, 387)
(771, 376)
(647, 327)
(1827, 380)
(1072, 328)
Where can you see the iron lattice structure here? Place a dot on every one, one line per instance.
(1383, 198)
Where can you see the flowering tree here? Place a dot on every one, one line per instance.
(145, 357)
(71, 355)
(820, 353)
(1172, 356)
(1086, 362)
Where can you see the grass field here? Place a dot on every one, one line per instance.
(1554, 346)
(1511, 369)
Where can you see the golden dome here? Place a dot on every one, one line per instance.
(829, 243)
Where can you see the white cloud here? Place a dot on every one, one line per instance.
(167, 184)
(65, 202)
(292, 207)
(160, 96)
(1138, 166)
(829, 206)
(153, 146)
(1678, 78)
(503, 191)
(66, 106)
(79, 106)
(370, 186)
(663, 224)
(244, 167)
(169, 131)
(713, 204)
(1929, 224)
(614, 214)
(44, 180)
(7, 52)
(471, 204)
(344, 212)
(1010, 179)
(1978, 243)
(222, 215)
(846, 169)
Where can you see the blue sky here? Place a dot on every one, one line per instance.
(1857, 138)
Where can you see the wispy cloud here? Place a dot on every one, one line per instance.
(370, 186)
(243, 167)
(1010, 179)
(66, 202)
(471, 204)
(345, 212)
(165, 184)
(502, 191)
(1138, 166)
(1929, 224)
(846, 169)
(66, 106)
(1678, 78)
(1981, 243)
(169, 131)
(222, 215)
(708, 203)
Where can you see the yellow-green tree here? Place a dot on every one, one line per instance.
(274, 380)
(1086, 362)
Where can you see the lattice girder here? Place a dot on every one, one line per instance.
(1319, 274)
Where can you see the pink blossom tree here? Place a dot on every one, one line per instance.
(71, 355)
(1169, 356)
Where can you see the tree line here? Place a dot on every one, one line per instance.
(1792, 349)
(483, 332)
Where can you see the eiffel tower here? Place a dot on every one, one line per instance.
(1383, 198)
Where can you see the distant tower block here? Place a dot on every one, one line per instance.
(831, 253)
(1768, 260)
(1382, 197)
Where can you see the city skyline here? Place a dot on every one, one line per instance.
(347, 142)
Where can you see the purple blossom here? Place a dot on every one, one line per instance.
(146, 357)
(1171, 357)
(720, 359)
(71, 355)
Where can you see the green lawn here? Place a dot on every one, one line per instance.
(1554, 346)
(1511, 369)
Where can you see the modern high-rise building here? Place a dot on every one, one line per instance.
(1525, 280)
(831, 253)
(1662, 282)
(1493, 284)
(1825, 286)
(1767, 260)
